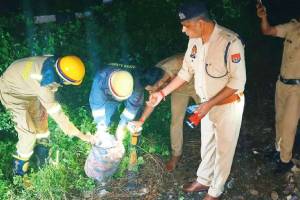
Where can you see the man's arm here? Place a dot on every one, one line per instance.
(156, 97)
(173, 85)
(147, 112)
(55, 111)
(266, 28)
(159, 84)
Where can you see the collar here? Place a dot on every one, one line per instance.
(215, 33)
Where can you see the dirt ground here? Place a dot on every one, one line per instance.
(251, 176)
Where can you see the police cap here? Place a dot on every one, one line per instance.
(189, 10)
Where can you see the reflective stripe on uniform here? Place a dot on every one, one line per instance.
(54, 109)
(98, 113)
(27, 69)
(23, 156)
(36, 77)
(42, 135)
(128, 114)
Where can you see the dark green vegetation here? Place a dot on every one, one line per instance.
(141, 31)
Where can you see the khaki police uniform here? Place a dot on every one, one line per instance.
(287, 97)
(221, 126)
(179, 101)
(30, 103)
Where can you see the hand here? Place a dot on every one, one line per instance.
(261, 11)
(87, 138)
(134, 127)
(137, 124)
(203, 109)
(154, 99)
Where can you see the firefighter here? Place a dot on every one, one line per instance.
(27, 90)
(179, 101)
(215, 59)
(287, 95)
(115, 84)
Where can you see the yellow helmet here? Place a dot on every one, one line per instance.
(71, 69)
(121, 85)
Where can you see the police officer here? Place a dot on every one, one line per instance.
(287, 96)
(179, 101)
(215, 58)
(27, 89)
(112, 85)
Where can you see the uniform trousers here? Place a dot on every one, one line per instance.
(30, 118)
(287, 106)
(179, 104)
(220, 130)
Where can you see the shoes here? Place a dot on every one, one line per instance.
(208, 197)
(273, 156)
(282, 167)
(41, 152)
(171, 164)
(276, 156)
(194, 187)
(20, 165)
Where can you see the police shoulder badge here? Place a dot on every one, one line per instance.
(236, 58)
(193, 52)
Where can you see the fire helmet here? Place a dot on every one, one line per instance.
(121, 85)
(71, 69)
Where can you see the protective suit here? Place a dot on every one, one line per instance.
(27, 90)
(104, 104)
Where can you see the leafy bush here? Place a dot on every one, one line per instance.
(145, 31)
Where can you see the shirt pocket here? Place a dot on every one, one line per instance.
(216, 70)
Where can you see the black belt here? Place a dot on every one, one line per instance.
(289, 81)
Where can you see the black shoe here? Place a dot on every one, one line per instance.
(282, 167)
(41, 152)
(273, 156)
(41, 155)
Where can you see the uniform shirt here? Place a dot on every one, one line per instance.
(101, 99)
(290, 66)
(206, 62)
(171, 66)
(22, 80)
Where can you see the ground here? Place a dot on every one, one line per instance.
(251, 177)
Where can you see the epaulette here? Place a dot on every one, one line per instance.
(294, 21)
(231, 36)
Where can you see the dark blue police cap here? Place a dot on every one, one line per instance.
(190, 10)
